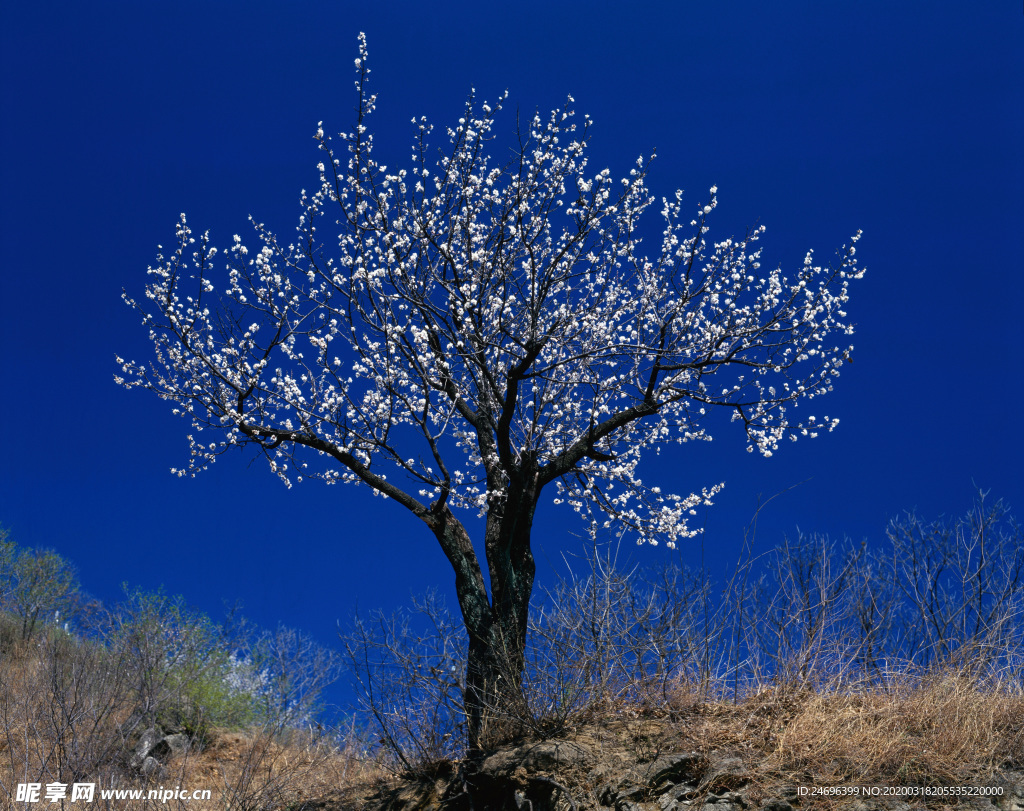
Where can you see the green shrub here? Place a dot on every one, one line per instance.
(203, 695)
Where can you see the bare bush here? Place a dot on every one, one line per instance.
(962, 587)
(88, 695)
(409, 669)
(170, 652)
(286, 672)
(811, 616)
(803, 633)
(615, 637)
(61, 713)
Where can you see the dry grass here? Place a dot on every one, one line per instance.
(252, 771)
(66, 717)
(938, 729)
(243, 771)
(934, 729)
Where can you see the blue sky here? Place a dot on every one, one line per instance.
(816, 119)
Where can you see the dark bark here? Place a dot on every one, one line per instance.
(496, 623)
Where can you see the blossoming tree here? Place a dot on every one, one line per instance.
(464, 335)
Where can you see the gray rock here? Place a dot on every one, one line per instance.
(880, 804)
(150, 738)
(666, 802)
(541, 756)
(979, 804)
(631, 791)
(725, 774)
(1012, 784)
(170, 746)
(179, 744)
(682, 792)
(156, 748)
(679, 768)
(150, 767)
(729, 801)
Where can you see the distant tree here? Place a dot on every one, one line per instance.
(173, 655)
(464, 334)
(293, 671)
(38, 585)
(7, 550)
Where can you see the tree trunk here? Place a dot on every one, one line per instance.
(495, 702)
(496, 623)
(493, 697)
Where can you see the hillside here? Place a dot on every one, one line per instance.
(820, 675)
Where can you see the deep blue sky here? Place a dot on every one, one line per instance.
(903, 119)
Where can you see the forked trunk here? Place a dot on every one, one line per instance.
(495, 623)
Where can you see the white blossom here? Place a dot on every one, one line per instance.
(472, 318)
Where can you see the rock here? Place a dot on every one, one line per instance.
(156, 748)
(178, 744)
(170, 746)
(879, 804)
(677, 798)
(679, 768)
(666, 802)
(729, 801)
(1012, 784)
(523, 769)
(724, 775)
(150, 738)
(150, 767)
(978, 804)
(632, 792)
(541, 756)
